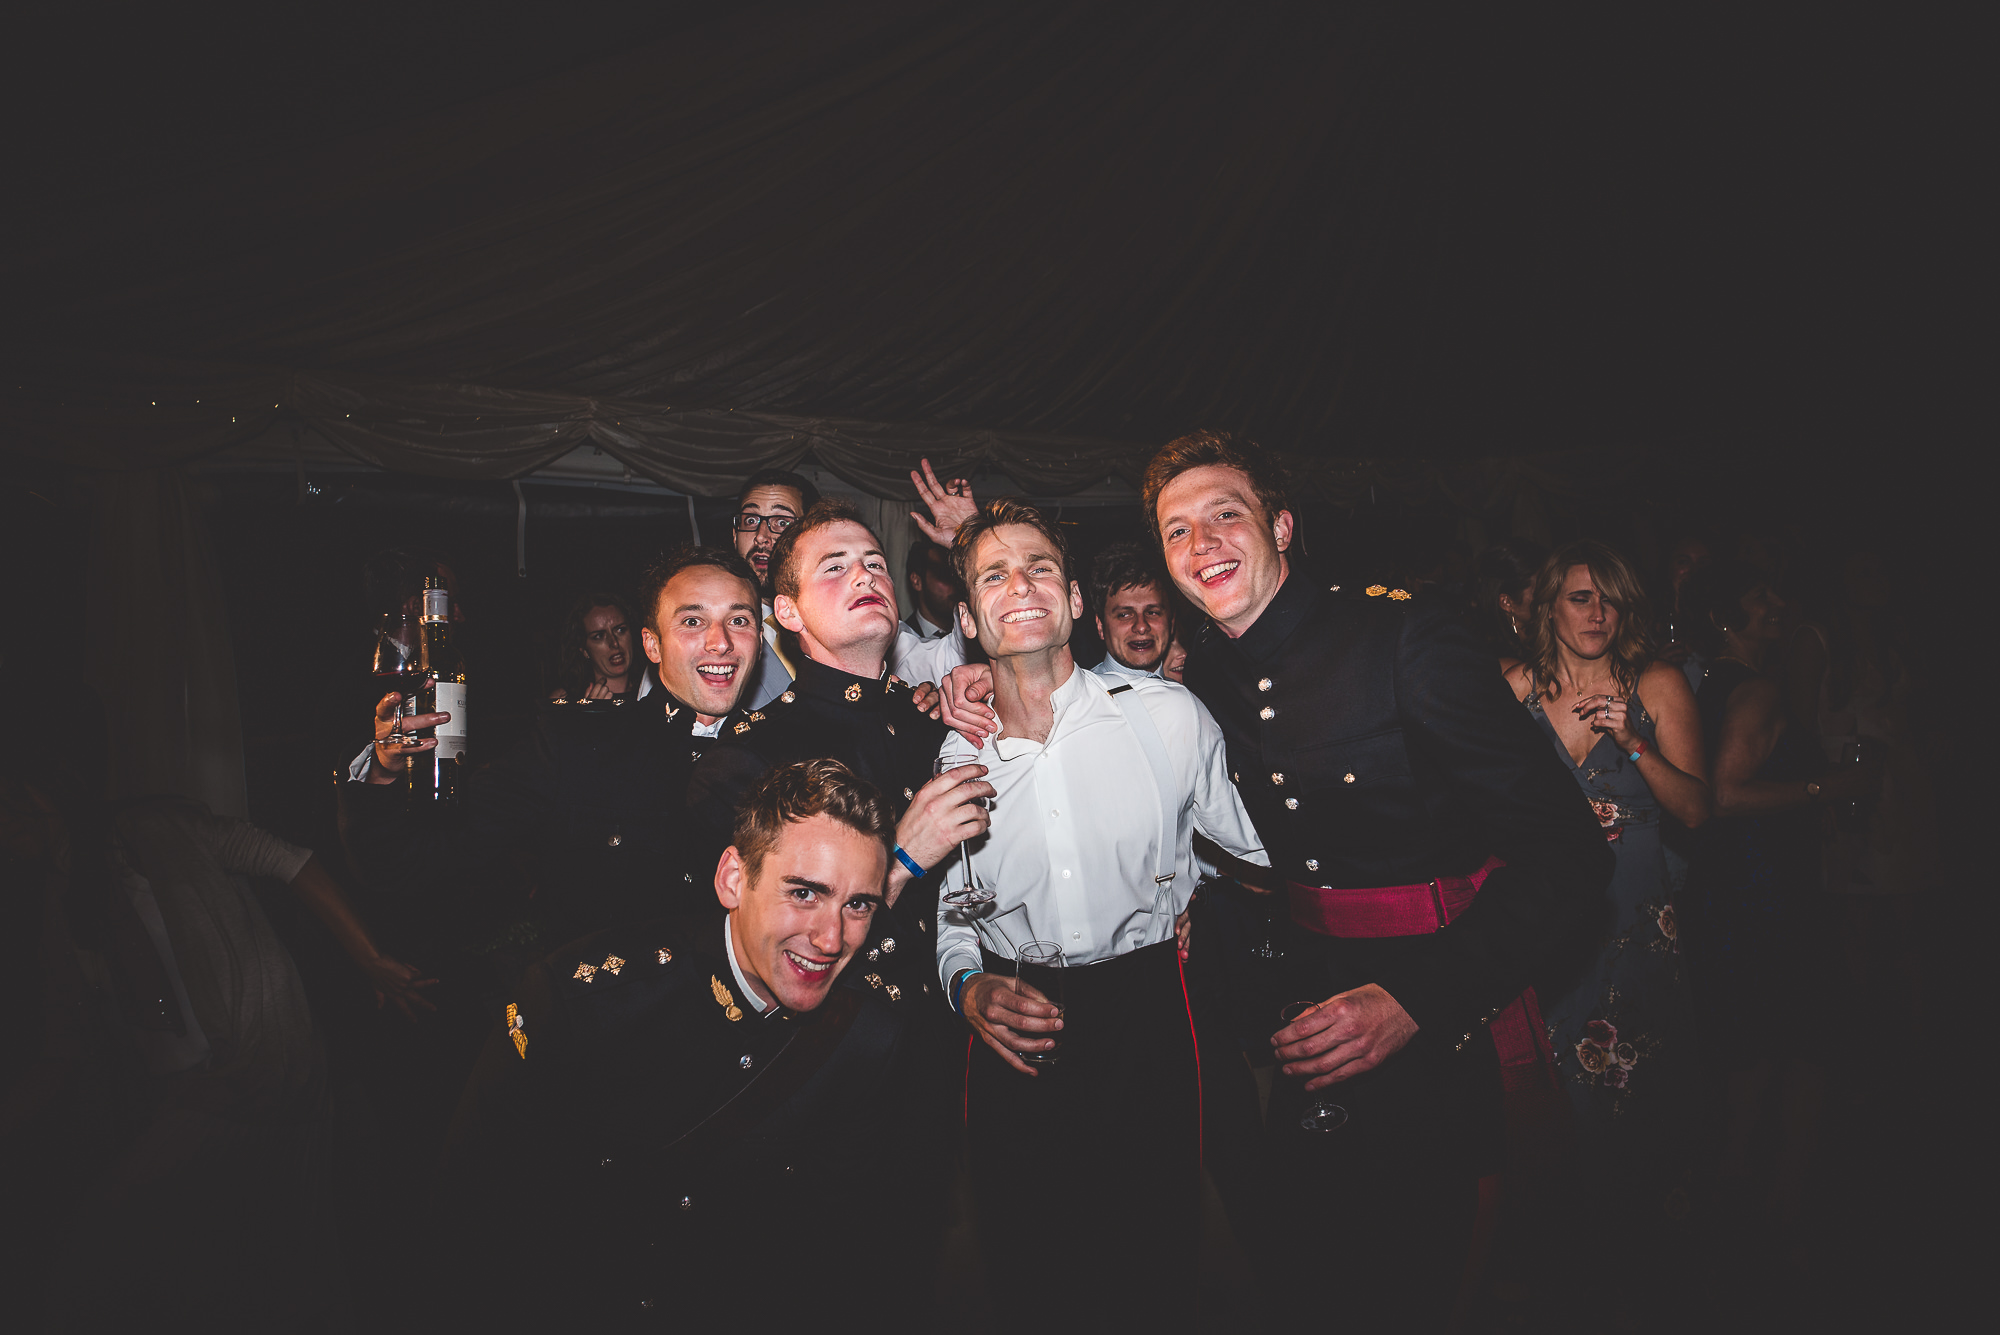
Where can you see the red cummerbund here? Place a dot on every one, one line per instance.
(1388, 910)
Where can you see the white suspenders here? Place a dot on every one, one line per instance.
(1163, 779)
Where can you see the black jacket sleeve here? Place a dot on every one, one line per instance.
(1455, 707)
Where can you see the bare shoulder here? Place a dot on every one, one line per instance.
(1665, 689)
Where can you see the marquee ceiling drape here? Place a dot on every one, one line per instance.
(1040, 238)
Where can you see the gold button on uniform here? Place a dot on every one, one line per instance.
(1264, 684)
(1347, 777)
(1312, 864)
(1278, 779)
(1291, 804)
(1267, 713)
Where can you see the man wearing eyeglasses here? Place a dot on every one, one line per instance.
(768, 504)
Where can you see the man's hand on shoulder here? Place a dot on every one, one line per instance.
(962, 704)
(1346, 1035)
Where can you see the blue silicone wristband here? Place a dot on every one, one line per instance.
(958, 982)
(909, 863)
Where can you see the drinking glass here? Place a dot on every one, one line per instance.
(971, 896)
(396, 667)
(1045, 955)
(1318, 1113)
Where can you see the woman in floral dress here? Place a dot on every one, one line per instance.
(1616, 1003)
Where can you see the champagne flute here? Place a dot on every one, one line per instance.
(1318, 1113)
(971, 896)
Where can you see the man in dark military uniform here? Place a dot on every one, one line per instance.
(699, 1119)
(835, 593)
(1434, 853)
(596, 794)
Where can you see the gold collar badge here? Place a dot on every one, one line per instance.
(853, 691)
(517, 1029)
(723, 999)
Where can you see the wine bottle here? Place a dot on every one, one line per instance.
(435, 775)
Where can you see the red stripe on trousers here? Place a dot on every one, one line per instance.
(1200, 1130)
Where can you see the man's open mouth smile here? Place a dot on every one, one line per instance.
(809, 967)
(1209, 574)
(1025, 614)
(716, 674)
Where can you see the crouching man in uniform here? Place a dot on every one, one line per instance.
(697, 1118)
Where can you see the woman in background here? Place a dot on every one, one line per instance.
(594, 655)
(1503, 578)
(1616, 1003)
(1752, 900)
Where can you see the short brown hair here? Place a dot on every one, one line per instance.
(800, 791)
(832, 510)
(1202, 449)
(686, 558)
(1631, 650)
(997, 514)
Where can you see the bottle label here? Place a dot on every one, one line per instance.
(451, 735)
(437, 604)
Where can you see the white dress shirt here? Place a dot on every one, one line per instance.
(916, 660)
(926, 628)
(774, 674)
(1116, 673)
(1074, 844)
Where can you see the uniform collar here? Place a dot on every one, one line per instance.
(1283, 615)
(924, 627)
(817, 681)
(757, 1003)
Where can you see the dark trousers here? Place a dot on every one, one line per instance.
(1371, 1222)
(1087, 1174)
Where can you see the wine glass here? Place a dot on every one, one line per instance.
(971, 896)
(1318, 1113)
(1047, 958)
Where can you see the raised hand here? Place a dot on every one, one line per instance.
(950, 503)
(393, 745)
(945, 813)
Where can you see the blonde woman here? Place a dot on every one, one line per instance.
(1616, 1002)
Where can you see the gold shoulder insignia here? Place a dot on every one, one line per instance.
(723, 999)
(517, 1029)
(1377, 590)
(1399, 595)
(585, 972)
(743, 727)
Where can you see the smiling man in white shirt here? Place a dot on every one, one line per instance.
(1099, 789)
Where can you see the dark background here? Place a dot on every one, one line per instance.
(1725, 259)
